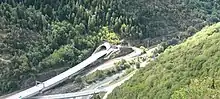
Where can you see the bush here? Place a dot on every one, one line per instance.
(78, 79)
(191, 30)
(137, 65)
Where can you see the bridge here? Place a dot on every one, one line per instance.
(102, 50)
(107, 89)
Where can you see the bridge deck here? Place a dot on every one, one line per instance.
(57, 79)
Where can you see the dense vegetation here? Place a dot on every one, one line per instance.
(38, 35)
(186, 71)
(161, 20)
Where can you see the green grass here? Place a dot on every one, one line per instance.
(186, 71)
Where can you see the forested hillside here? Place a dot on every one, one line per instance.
(161, 20)
(39, 35)
(186, 71)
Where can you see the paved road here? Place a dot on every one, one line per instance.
(65, 75)
(59, 78)
(112, 87)
(102, 86)
(109, 88)
(70, 95)
(85, 92)
(110, 63)
(90, 91)
(103, 83)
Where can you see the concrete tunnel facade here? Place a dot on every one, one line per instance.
(104, 46)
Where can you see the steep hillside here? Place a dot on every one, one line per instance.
(161, 20)
(41, 35)
(186, 71)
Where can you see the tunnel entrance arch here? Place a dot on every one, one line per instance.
(104, 46)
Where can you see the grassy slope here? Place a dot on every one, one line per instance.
(188, 71)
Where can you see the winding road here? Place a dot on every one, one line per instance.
(110, 63)
(90, 91)
(72, 71)
(102, 86)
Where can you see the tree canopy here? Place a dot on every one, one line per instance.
(39, 35)
(185, 71)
